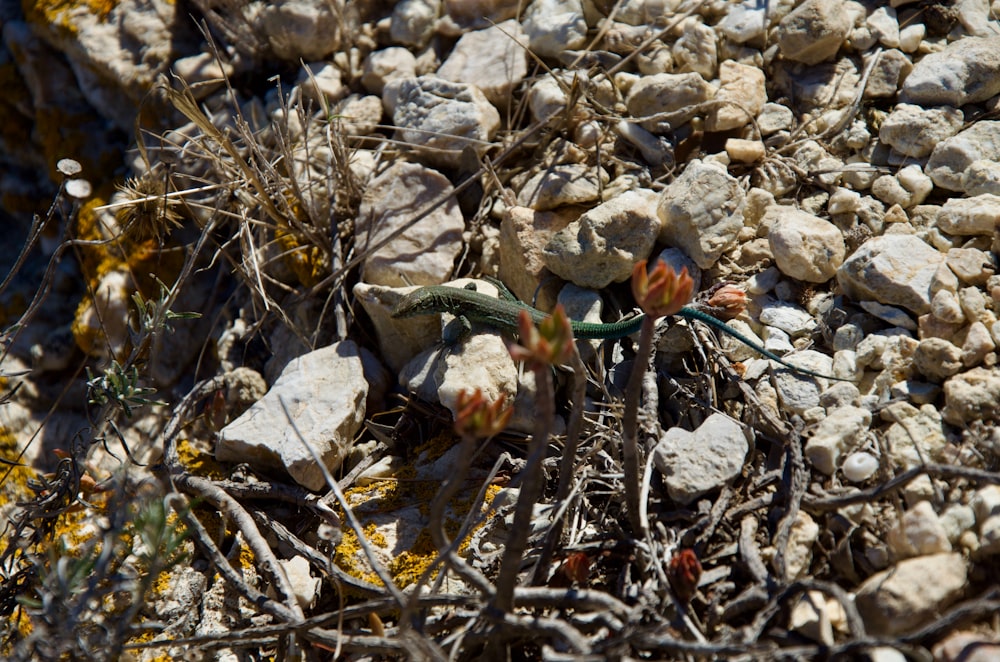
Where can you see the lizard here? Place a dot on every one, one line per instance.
(502, 313)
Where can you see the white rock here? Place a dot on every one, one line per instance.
(917, 436)
(444, 117)
(887, 73)
(957, 519)
(844, 428)
(774, 117)
(742, 84)
(843, 201)
(743, 22)
(116, 52)
(966, 71)
(813, 31)
(694, 463)
(695, 50)
(891, 314)
(745, 151)
(425, 253)
(911, 593)
(554, 26)
(911, 36)
(547, 96)
(810, 617)
(972, 396)
(812, 157)
(916, 183)
(491, 59)
(982, 176)
(919, 533)
(859, 467)
(605, 243)
(945, 307)
(524, 233)
(321, 79)
(801, 538)
(359, 115)
(978, 344)
(797, 392)
(702, 212)
(937, 359)
(385, 65)
(412, 21)
(300, 29)
(970, 216)
(951, 159)
(785, 316)
(736, 350)
(777, 341)
(676, 96)
(805, 247)
(986, 503)
(916, 131)
(304, 585)
(883, 24)
(475, 14)
(654, 149)
(324, 392)
(894, 269)
(567, 184)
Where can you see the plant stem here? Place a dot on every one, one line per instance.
(531, 491)
(630, 425)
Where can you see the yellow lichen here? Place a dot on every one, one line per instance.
(307, 262)
(63, 14)
(199, 462)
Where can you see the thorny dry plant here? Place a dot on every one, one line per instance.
(238, 198)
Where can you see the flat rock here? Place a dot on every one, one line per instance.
(917, 436)
(412, 21)
(299, 29)
(972, 396)
(952, 158)
(324, 392)
(804, 246)
(443, 117)
(967, 216)
(814, 31)
(567, 184)
(425, 253)
(894, 269)
(702, 212)
(911, 593)
(675, 96)
(524, 233)
(966, 71)
(937, 359)
(919, 533)
(843, 430)
(743, 85)
(694, 463)
(603, 245)
(387, 64)
(491, 59)
(915, 131)
(554, 26)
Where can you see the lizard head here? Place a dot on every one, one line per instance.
(418, 302)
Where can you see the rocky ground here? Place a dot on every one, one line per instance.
(218, 441)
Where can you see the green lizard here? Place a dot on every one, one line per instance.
(502, 313)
